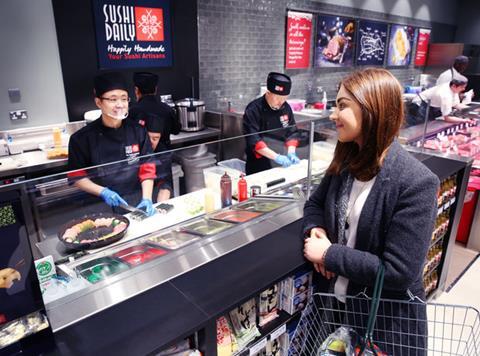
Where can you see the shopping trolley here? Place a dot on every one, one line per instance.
(394, 326)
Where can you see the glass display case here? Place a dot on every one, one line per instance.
(201, 253)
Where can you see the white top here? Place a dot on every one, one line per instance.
(440, 96)
(357, 199)
(446, 77)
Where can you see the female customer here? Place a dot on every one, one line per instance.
(376, 205)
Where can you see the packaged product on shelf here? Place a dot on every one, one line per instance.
(244, 323)
(268, 305)
(295, 291)
(176, 349)
(277, 345)
(226, 341)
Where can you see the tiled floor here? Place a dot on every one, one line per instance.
(466, 290)
(461, 258)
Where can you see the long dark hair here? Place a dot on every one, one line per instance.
(379, 95)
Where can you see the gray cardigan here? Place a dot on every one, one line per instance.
(395, 225)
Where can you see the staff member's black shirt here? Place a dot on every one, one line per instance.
(259, 117)
(96, 144)
(149, 107)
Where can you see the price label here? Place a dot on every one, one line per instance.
(440, 210)
(281, 330)
(255, 349)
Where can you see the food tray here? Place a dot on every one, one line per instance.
(139, 254)
(100, 268)
(172, 240)
(206, 227)
(89, 231)
(261, 206)
(235, 216)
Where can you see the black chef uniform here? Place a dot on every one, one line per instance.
(163, 159)
(260, 117)
(149, 106)
(96, 144)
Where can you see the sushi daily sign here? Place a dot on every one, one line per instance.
(133, 33)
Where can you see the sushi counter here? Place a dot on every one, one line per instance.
(173, 282)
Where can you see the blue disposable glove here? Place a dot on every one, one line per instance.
(112, 198)
(293, 158)
(283, 161)
(147, 206)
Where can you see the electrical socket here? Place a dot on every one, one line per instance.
(18, 115)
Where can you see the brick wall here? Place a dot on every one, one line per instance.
(240, 41)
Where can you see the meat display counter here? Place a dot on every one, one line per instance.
(168, 276)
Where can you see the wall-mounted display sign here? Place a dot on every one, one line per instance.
(299, 33)
(422, 47)
(400, 45)
(371, 42)
(133, 33)
(334, 45)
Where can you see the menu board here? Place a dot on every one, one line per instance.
(334, 45)
(400, 45)
(371, 42)
(422, 47)
(133, 33)
(299, 33)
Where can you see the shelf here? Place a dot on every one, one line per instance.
(436, 240)
(276, 325)
(425, 275)
(445, 206)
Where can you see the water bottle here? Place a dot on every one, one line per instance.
(242, 189)
(324, 101)
(226, 190)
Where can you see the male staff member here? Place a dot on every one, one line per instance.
(148, 106)
(443, 100)
(110, 138)
(269, 112)
(164, 183)
(457, 69)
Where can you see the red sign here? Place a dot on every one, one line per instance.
(299, 32)
(422, 47)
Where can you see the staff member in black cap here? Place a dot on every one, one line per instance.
(110, 138)
(148, 106)
(270, 111)
(164, 181)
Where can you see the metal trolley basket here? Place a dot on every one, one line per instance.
(392, 325)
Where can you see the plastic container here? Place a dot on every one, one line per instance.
(296, 104)
(177, 173)
(209, 205)
(233, 163)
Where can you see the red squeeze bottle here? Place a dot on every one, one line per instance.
(242, 189)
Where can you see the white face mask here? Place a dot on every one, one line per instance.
(118, 114)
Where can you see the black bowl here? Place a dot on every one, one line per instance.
(94, 244)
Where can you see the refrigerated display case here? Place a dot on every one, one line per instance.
(174, 274)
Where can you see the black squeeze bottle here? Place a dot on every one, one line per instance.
(226, 190)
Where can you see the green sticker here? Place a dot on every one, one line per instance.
(44, 268)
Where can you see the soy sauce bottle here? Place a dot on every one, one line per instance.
(226, 190)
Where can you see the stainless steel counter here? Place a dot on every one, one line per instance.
(36, 161)
(86, 303)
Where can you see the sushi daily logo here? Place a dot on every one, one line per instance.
(130, 23)
(44, 268)
(132, 152)
(284, 120)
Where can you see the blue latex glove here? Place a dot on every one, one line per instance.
(283, 161)
(112, 198)
(147, 206)
(293, 158)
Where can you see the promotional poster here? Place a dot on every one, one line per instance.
(371, 42)
(335, 41)
(400, 45)
(299, 34)
(133, 34)
(422, 47)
